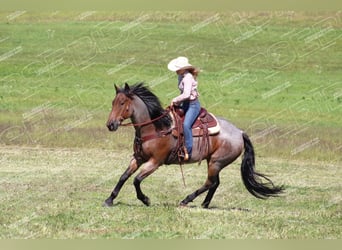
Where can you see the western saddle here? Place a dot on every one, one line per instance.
(205, 125)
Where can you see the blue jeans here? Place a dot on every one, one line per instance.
(191, 109)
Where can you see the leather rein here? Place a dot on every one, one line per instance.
(167, 110)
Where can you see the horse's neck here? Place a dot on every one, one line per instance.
(141, 116)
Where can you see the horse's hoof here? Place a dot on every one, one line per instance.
(205, 205)
(107, 204)
(182, 204)
(147, 201)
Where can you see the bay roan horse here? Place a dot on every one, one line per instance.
(153, 144)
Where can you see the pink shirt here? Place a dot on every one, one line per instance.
(188, 88)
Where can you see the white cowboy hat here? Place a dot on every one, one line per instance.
(179, 63)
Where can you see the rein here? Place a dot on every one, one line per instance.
(167, 110)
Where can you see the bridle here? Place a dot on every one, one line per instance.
(165, 113)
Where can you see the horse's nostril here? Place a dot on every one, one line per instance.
(111, 126)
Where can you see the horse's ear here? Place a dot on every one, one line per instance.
(127, 89)
(116, 88)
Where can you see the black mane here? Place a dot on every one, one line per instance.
(152, 103)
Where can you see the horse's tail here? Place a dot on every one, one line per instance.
(252, 179)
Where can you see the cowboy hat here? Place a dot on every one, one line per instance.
(179, 63)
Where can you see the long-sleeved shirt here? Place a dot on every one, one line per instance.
(188, 87)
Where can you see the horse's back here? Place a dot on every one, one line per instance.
(229, 128)
(230, 138)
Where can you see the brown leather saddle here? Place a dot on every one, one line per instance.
(205, 123)
(204, 126)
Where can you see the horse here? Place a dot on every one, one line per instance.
(153, 143)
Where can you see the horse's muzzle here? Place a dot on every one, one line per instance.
(113, 125)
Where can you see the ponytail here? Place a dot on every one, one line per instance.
(194, 72)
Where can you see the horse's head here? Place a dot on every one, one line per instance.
(121, 107)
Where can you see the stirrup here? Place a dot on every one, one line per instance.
(184, 155)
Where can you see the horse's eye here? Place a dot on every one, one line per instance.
(122, 103)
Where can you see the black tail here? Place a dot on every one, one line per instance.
(252, 179)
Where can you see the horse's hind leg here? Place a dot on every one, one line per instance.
(211, 193)
(210, 184)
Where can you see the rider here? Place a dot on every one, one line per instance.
(188, 98)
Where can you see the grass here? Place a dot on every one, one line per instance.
(57, 193)
(275, 75)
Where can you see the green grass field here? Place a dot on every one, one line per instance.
(276, 75)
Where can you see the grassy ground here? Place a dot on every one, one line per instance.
(277, 75)
(57, 193)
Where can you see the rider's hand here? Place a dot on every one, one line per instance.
(173, 103)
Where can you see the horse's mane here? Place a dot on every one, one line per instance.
(152, 103)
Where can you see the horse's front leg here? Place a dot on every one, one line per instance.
(133, 166)
(148, 169)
